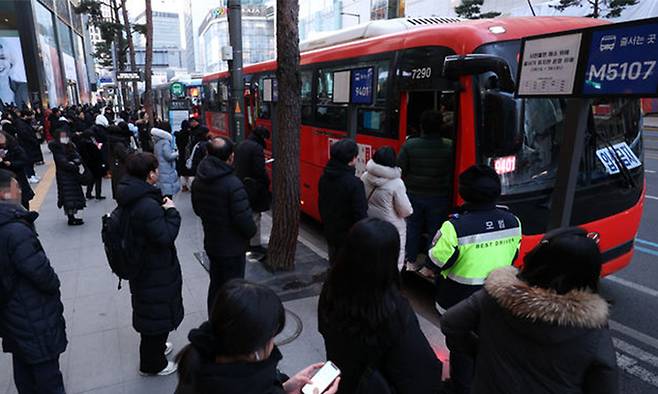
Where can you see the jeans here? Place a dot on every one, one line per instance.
(255, 240)
(42, 378)
(222, 270)
(462, 370)
(151, 353)
(98, 185)
(429, 214)
(29, 170)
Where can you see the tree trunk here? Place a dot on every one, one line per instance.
(285, 177)
(120, 46)
(148, 64)
(131, 49)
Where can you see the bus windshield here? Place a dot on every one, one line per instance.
(612, 123)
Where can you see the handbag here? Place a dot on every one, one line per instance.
(85, 177)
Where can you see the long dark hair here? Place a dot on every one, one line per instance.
(359, 297)
(244, 318)
(564, 260)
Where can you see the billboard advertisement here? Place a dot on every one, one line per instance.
(83, 83)
(56, 92)
(13, 81)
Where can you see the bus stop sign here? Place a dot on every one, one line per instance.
(177, 89)
(608, 60)
(623, 60)
(615, 60)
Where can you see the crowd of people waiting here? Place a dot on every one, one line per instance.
(540, 329)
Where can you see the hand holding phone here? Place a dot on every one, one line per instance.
(323, 379)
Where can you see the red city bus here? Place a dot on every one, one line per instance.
(371, 84)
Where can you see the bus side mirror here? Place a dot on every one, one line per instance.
(502, 130)
(455, 66)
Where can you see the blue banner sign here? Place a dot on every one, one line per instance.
(622, 60)
(362, 86)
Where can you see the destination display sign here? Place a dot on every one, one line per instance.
(361, 91)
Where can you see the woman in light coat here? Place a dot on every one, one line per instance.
(167, 154)
(386, 193)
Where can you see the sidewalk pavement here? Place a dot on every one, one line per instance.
(102, 355)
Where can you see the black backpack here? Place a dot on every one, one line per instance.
(121, 248)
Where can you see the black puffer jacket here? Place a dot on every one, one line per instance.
(119, 150)
(182, 143)
(250, 168)
(90, 154)
(157, 291)
(67, 163)
(342, 200)
(28, 140)
(239, 378)
(532, 340)
(400, 353)
(17, 162)
(32, 321)
(219, 199)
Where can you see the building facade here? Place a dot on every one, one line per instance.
(257, 35)
(44, 43)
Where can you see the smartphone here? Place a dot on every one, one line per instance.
(322, 379)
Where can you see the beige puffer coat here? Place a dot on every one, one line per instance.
(387, 199)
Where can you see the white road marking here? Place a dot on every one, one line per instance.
(650, 171)
(635, 352)
(652, 197)
(629, 365)
(632, 285)
(638, 336)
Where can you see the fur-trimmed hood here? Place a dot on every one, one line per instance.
(159, 134)
(378, 175)
(554, 317)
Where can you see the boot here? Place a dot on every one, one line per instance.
(73, 221)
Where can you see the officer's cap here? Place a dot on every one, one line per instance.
(479, 184)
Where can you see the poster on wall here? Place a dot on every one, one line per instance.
(56, 93)
(83, 83)
(13, 81)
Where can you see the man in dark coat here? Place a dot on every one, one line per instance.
(68, 165)
(157, 290)
(199, 136)
(32, 323)
(13, 158)
(118, 141)
(219, 199)
(93, 158)
(250, 168)
(182, 143)
(27, 137)
(342, 199)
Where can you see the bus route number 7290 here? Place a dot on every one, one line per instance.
(421, 73)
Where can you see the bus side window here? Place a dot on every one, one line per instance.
(307, 96)
(373, 119)
(328, 114)
(211, 94)
(263, 106)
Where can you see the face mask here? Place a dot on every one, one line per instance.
(3, 153)
(64, 140)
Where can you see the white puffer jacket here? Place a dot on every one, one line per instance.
(387, 199)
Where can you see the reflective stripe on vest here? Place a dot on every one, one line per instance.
(479, 254)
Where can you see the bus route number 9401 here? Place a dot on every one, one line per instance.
(421, 73)
(623, 71)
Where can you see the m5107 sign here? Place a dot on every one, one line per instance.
(609, 60)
